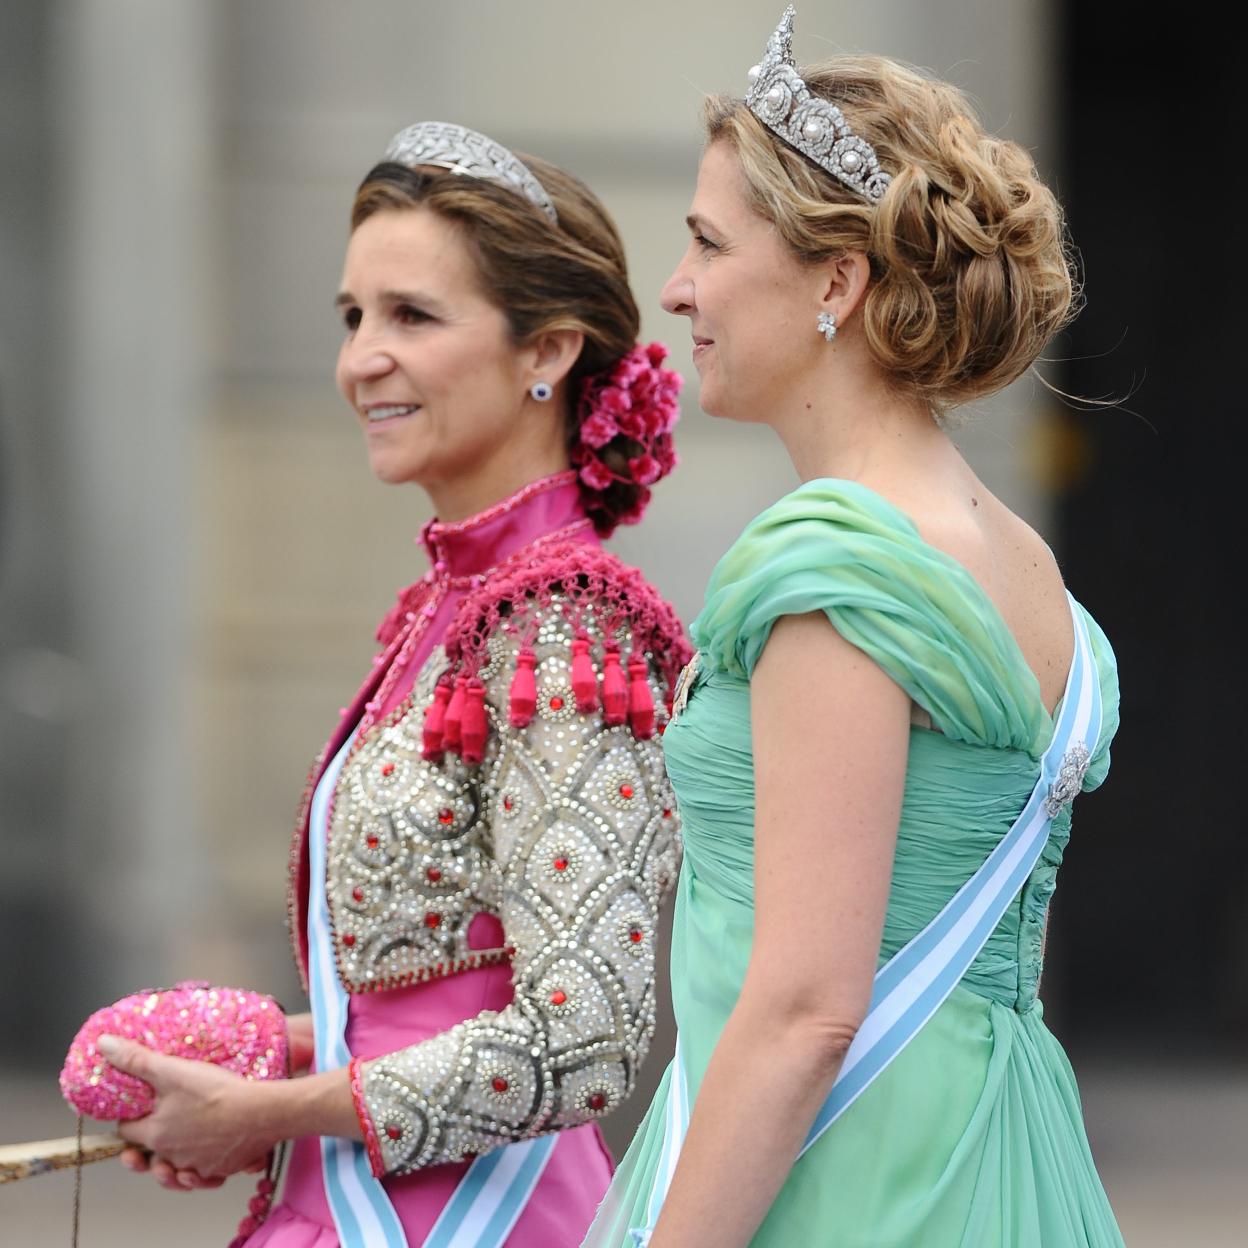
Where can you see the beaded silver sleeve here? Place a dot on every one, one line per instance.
(568, 831)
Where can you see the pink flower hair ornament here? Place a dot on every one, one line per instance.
(624, 433)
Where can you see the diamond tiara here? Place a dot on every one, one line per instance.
(468, 152)
(815, 127)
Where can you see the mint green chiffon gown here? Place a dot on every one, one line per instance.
(973, 1137)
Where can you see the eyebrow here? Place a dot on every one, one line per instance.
(697, 223)
(346, 299)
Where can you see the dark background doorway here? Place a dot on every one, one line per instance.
(1150, 925)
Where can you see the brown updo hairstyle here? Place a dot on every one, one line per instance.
(541, 276)
(971, 273)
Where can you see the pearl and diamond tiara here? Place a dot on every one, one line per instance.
(814, 126)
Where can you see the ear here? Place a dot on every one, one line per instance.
(550, 356)
(846, 279)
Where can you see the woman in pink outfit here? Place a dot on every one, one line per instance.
(488, 834)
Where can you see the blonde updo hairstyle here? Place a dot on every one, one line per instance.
(970, 269)
(543, 277)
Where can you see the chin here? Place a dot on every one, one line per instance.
(392, 471)
(714, 403)
(709, 398)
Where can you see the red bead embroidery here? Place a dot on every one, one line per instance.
(561, 864)
(558, 997)
(556, 703)
(635, 934)
(432, 919)
(667, 814)
(357, 894)
(348, 940)
(626, 791)
(387, 769)
(372, 842)
(507, 802)
(597, 1100)
(393, 1131)
(433, 874)
(499, 1084)
(445, 815)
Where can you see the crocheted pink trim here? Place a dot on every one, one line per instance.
(410, 602)
(418, 603)
(371, 1142)
(586, 578)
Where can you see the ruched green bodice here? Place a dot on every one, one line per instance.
(973, 1136)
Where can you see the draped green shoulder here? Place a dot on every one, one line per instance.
(838, 547)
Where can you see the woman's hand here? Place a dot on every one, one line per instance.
(204, 1127)
(209, 1123)
(169, 1176)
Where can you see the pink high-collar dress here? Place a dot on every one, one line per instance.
(579, 1170)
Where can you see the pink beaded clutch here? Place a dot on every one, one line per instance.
(241, 1031)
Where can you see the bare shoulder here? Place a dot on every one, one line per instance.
(1016, 569)
(1011, 563)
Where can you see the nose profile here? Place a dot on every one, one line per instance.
(676, 296)
(362, 360)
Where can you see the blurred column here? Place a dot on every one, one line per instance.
(135, 124)
(38, 678)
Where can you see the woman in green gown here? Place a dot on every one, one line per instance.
(882, 654)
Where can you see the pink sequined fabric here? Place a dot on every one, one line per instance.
(241, 1031)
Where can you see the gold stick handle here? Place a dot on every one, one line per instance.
(23, 1161)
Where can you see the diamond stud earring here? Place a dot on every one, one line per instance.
(541, 391)
(826, 325)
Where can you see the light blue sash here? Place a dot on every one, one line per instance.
(492, 1194)
(361, 1209)
(913, 984)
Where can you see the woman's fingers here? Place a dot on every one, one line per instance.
(201, 1127)
(136, 1159)
(167, 1176)
(135, 1059)
(192, 1180)
(176, 1179)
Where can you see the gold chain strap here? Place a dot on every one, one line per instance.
(77, 1184)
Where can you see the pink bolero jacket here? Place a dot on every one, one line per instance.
(505, 801)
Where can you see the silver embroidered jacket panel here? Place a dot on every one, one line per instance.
(567, 831)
